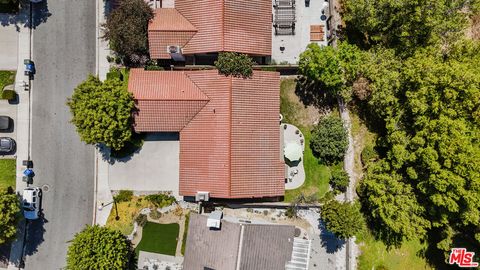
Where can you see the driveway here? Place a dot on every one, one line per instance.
(8, 43)
(64, 55)
(11, 111)
(154, 168)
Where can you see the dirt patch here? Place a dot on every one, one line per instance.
(473, 31)
(299, 113)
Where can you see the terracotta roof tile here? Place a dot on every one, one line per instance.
(222, 25)
(168, 28)
(230, 147)
(166, 100)
(248, 26)
(207, 17)
(169, 19)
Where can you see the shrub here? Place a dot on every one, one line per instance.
(98, 247)
(102, 112)
(342, 219)
(368, 154)
(339, 180)
(124, 196)
(8, 94)
(154, 214)
(141, 220)
(329, 140)
(115, 73)
(160, 200)
(153, 67)
(234, 64)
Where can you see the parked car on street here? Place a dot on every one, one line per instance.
(31, 202)
(5, 123)
(7, 145)
(36, 1)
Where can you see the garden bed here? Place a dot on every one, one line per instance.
(6, 78)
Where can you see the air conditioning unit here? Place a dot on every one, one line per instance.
(173, 49)
(202, 196)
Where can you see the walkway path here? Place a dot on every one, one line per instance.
(352, 248)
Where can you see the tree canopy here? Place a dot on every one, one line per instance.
(429, 176)
(127, 31)
(331, 70)
(329, 140)
(98, 247)
(342, 219)
(235, 64)
(406, 24)
(9, 214)
(102, 112)
(339, 179)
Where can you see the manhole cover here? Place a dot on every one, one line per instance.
(45, 188)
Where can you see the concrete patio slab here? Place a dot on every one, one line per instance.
(296, 171)
(294, 45)
(154, 168)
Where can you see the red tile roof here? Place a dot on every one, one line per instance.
(166, 100)
(231, 146)
(222, 25)
(168, 28)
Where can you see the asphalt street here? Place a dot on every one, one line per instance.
(64, 54)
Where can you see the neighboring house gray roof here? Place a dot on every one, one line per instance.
(251, 246)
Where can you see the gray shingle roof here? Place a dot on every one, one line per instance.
(258, 246)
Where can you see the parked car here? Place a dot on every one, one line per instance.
(35, 1)
(31, 202)
(5, 123)
(7, 145)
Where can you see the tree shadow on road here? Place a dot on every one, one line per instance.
(35, 235)
(328, 240)
(40, 15)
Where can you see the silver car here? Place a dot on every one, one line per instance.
(7, 145)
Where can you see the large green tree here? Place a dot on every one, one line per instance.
(9, 214)
(98, 247)
(431, 147)
(407, 24)
(343, 219)
(127, 30)
(102, 112)
(331, 70)
(329, 140)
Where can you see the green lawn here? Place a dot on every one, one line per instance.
(159, 238)
(7, 173)
(376, 254)
(6, 78)
(295, 113)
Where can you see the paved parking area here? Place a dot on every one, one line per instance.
(8, 43)
(154, 168)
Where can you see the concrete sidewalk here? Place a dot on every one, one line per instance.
(22, 127)
(103, 193)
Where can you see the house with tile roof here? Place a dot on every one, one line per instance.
(198, 30)
(228, 128)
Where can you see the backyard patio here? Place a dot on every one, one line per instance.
(293, 148)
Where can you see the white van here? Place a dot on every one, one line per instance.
(31, 202)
